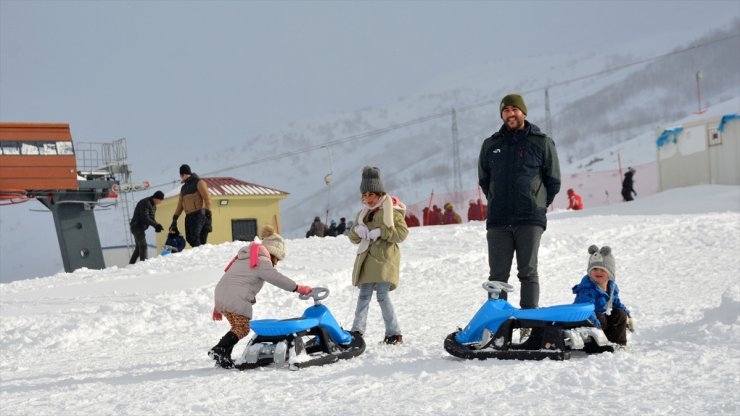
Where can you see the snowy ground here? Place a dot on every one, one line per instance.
(133, 341)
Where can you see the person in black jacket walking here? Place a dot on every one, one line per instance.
(519, 172)
(143, 218)
(628, 185)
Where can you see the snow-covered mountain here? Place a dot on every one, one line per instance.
(410, 139)
(133, 340)
(587, 116)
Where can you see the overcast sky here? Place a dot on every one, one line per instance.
(169, 74)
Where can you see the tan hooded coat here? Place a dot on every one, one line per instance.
(380, 263)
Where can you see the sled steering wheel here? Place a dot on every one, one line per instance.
(318, 294)
(495, 288)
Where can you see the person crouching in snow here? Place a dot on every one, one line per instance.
(379, 227)
(237, 290)
(600, 288)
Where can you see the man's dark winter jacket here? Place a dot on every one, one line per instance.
(144, 214)
(519, 172)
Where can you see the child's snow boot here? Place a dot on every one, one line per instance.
(221, 353)
(393, 339)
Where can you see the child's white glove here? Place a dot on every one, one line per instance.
(631, 324)
(361, 231)
(374, 234)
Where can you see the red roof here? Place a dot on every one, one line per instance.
(233, 186)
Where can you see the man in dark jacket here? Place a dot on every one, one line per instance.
(141, 220)
(342, 226)
(195, 200)
(519, 171)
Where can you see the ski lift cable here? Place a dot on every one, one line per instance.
(424, 119)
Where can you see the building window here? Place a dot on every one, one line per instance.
(43, 148)
(243, 230)
(715, 137)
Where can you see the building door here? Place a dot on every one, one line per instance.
(243, 230)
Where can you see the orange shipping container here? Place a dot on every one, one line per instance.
(37, 157)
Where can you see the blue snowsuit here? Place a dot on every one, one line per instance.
(589, 292)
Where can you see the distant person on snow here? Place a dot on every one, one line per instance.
(412, 220)
(317, 228)
(342, 226)
(237, 290)
(450, 216)
(332, 231)
(144, 216)
(473, 211)
(519, 172)
(379, 228)
(599, 287)
(574, 200)
(426, 216)
(436, 217)
(627, 185)
(195, 200)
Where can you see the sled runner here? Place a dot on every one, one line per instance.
(313, 339)
(555, 331)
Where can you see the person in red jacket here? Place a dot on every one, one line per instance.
(575, 201)
(412, 220)
(435, 216)
(483, 210)
(473, 211)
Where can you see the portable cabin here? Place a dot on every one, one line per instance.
(37, 157)
(703, 149)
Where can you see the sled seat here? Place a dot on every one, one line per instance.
(560, 313)
(278, 327)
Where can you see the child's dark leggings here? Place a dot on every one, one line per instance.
(614, 326)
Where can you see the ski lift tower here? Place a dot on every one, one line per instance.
(37, 161)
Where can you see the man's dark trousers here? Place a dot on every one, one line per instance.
(524, 240)
(194, 223)
(140, 248)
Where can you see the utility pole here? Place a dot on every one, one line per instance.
(548, 121)
(457, 171)
(328, 180)
(699, 76)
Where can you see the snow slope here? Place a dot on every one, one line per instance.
(133, 341)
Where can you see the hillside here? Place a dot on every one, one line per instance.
(588, 116)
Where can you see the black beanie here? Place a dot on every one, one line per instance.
(514, 100)
(185, 170)
(158, 195)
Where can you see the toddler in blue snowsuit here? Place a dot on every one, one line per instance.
(599, 288)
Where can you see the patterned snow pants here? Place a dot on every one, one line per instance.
(239, 324)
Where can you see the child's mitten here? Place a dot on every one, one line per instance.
(217, 315)
(303, 290)
(631, 324)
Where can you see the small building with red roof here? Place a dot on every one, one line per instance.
(238, 208)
